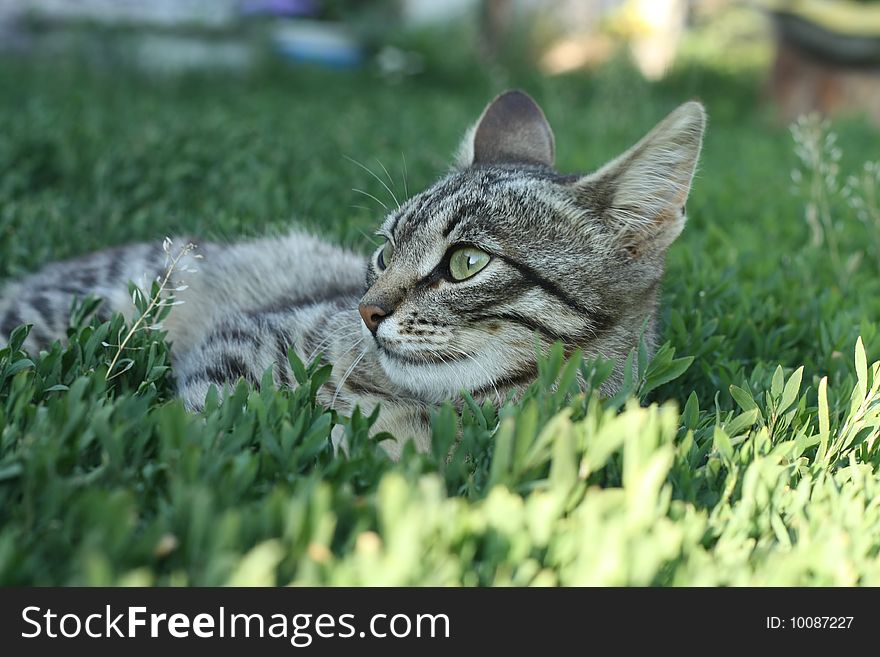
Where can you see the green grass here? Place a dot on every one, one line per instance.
(737, 471)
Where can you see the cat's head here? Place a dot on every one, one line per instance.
(505, 253)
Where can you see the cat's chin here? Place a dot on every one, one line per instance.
(438, 373)
(433, 382)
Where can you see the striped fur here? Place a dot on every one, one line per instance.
(573, 258)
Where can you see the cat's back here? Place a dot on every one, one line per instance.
(295, 267)
(281, 273)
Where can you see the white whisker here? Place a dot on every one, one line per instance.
(347, 374)
(349, 350)
(490, 378)
(405, 189)
(372, 241)
(375, 175)
(360, 191)
(390, 179)
(337, 333)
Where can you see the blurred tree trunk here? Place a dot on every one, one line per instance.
(494, 22)
(817, 69)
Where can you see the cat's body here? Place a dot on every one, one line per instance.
(243, 308)
(499, 257)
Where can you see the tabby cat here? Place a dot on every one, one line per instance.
(502, 254)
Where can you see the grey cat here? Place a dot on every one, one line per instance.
(500, 255)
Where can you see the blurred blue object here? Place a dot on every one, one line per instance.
(327, 44)
(279, 7)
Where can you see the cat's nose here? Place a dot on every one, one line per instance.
(372, 315)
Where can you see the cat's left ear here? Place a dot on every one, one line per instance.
(511, 130)
(641, 194)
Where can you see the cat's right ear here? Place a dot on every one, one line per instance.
(511, 130)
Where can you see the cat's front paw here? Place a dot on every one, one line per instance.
(193, 395)
(406, 423)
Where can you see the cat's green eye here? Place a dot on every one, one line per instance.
(467, 261)
(385, 255)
